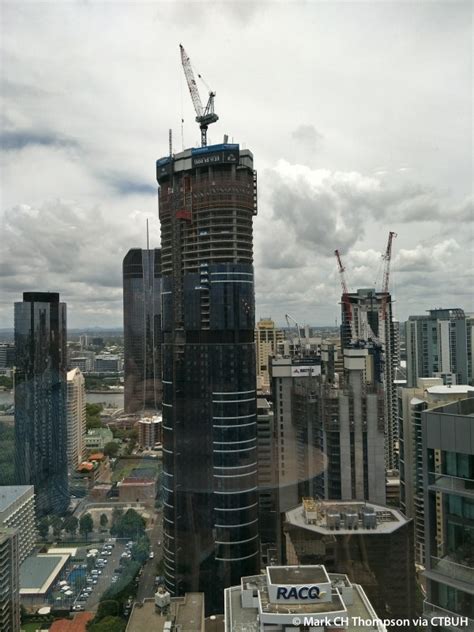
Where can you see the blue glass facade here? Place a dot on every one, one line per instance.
(40, 400)
(142, 329)
(209, 378)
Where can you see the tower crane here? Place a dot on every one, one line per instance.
(387, 256)
(345, 294)
(204, 115)
(288, 318)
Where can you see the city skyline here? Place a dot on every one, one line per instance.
(364, 150)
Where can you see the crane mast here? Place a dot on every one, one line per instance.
(204, 115)
(288, 317)
(345, 293)
(386, 275)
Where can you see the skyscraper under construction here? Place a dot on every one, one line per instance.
(207, 201)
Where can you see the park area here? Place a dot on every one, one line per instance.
(136, 468)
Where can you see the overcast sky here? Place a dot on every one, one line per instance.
(359, 115)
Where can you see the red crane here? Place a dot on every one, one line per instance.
(386, 275)
(345, 293)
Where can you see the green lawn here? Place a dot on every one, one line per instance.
(32, 627)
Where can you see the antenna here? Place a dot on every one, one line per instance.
(147, 235)
(170, 141)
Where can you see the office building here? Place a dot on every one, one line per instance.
(142, 329)
(40, 400)
(267, 481)
(371, 544)
(329, 432)
(267, 339)
(150, 431)
(440, 342)
(107, 363)
(371, 320)
(448, 469)
(76, 417)
(17, 511)
(299, 598)
(430, 392)
(9, 581)
(7, 355)
(207, 201)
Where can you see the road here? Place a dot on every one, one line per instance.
(146, 587)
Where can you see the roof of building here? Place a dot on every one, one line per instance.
(38, 572)
(445, 389)
(297, 575)
(77, 624)
(314, 517)
(187, 612)
(11, 493)
(136, 481)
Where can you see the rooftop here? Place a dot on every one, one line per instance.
(38, 572)
(297, 575)
(341, 518)
(11, 493)
(454, 389)
(186, 612)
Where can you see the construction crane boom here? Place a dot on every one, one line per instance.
(288, 318)
(387, 256)
(204, 116)
(345, 293)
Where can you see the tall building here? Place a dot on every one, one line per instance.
(17, 511)
(267, 338)
(430, 392)
(371, 544)
(7, 355)
(448, 469)
(9, 581)
(371, 319)
(440, 342)
(40, 400)
(142, 329)
(330, 436)
(207, 201)
(76, 417)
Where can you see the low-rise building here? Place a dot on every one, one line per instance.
(298, 598)
(137, 490)
(371, 544)
(98, 438)
(165, 613)
(38, 574)
(17, 511)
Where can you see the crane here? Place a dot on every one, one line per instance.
(386, 275)
(345, 294)
(288, 318)
(204, 116)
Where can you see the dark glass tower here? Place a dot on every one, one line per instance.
(142, 329)
(40, 400)
(207, 200)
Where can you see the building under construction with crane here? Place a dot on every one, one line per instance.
(207, 202)
(367, 319)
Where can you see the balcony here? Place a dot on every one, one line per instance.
(446, 483)
(449, 568)
(446, 619)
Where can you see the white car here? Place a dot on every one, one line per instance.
(77, 607)
(152, 555)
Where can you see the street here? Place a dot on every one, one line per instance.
(146, 587)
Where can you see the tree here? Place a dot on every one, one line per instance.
(130, 525)
(71, 524)
(43, 527)
(86, 525)
(111, 449)
(108, 624)
(93, 415)
(57, 525)
(141, 550)
(104, 521)
(107, 608)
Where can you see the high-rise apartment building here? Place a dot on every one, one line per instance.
(371, 319)
(207, 201)
(441, 342)
(412, 402)
(448, 469)
(267, 338)
(7, 355)
(76, 417)
(142, 329)
(9, 581)
(17, 511)
(40, 400)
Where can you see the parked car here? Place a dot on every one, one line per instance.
(152, 555)
(77, 607)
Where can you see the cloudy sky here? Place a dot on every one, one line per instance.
(359, 115)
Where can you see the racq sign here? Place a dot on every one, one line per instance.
(297, 593)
